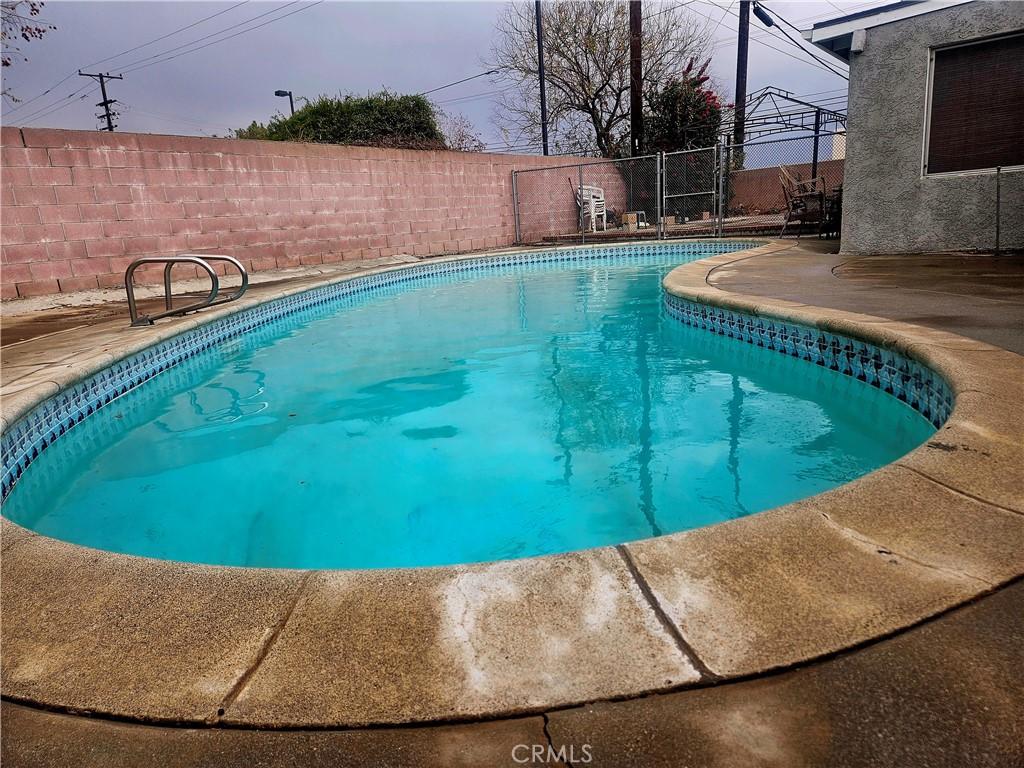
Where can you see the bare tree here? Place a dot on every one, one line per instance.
(459, 133)
(19, 22)
(586, 58)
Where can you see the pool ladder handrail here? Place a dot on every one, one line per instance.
(200, 260)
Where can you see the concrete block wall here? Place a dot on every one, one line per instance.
(78, 206)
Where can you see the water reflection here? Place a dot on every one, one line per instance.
(224, 401)
(455, 421)
(735, 430)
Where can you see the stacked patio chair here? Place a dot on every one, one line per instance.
(590, 200)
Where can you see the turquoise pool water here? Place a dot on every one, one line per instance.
(538, 408)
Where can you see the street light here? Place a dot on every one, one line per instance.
(289, 95)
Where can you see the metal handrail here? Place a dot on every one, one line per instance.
(200, 260)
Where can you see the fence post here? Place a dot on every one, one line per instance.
(717, 183)
(665, 184)
(722, 163)
(999, 170)
(659, 209)
(579, 199)
(515, 206)
(817, 135)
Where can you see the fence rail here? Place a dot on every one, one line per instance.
(781, 186)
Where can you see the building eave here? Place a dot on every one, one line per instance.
(835, 36)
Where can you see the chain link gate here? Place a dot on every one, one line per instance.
(690, 192)
(777, 187)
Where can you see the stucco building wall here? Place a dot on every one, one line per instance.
(889, 206)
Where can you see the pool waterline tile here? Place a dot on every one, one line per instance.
(905, 378)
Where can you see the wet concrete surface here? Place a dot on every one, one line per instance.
(25, 319)
(945, 694)
(972, 294)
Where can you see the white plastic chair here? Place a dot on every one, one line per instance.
(590, 200)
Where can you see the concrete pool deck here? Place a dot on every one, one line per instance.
(789, 588)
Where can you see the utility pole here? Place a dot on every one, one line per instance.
(740, 110)
(636, 78)
(103, 77)
(540, 72)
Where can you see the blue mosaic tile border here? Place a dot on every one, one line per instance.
(906, 379)
(25, 440)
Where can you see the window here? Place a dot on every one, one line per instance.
(976, 118)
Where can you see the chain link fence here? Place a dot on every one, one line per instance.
(780, 187)
(588, 202)
(790, 186)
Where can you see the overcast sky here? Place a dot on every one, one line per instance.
(313, 48)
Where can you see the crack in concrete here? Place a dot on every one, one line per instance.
(243, 680)
(702, 669)
(959, 492)
(551, 744)
(885, 549)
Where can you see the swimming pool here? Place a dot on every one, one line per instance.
(447, 413)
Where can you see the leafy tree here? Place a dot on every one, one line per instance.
(586, 61)
(685, 113)
(19, 22)
(381, 119)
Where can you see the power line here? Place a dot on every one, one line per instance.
(59, 104)
(727, 12)
(174, 118)
(764, 34)
(820, 93)
(816, 62)
(457, 82)
(24, 104)
(169, 34)
(819, 62)
(670, 8)
(140, 63)
(46, 111)
(782, 18)
(129, 50)
(475, 96)
(798, 45)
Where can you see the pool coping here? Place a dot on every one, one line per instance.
(204, 645)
